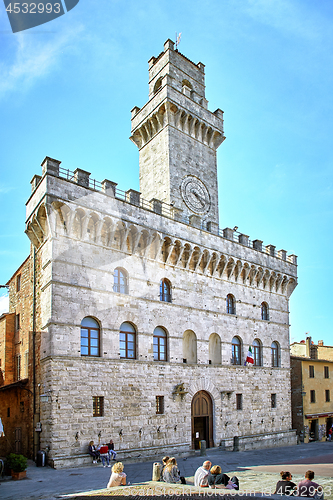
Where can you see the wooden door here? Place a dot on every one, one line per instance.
(202, 419)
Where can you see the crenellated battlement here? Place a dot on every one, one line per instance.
(79, 177)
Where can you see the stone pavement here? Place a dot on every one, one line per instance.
(257, 470)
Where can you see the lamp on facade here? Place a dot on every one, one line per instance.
(44, 398)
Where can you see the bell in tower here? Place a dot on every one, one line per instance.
(177, 137)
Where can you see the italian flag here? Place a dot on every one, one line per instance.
(249, 357)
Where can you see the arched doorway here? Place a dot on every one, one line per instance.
(202, 419)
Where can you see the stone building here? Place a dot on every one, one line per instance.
(311, 389)
(145, 308)
(16, 403)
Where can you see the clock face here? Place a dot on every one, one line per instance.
(195, 194)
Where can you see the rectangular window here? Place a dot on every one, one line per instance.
(159, 405)
(326, 372)
(311, 371)
(26, 364)
(327, 396)
(312, 396)
(18, 367)
(239, 401)
(313, 352)
(98, 406)
(17, 322)
(273, 400)
(18, 282)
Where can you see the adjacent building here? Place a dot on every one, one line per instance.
(311, 389)
(144, 308)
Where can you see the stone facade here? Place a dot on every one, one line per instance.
(311, 389)
(16, 375)
(111, 261)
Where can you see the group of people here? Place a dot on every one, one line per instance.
(207, 476)
(305, 488)
(103, 452)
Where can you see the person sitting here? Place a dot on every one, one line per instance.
(201, 475)
(285, 486)
(104, 455)
(112, 453)
(118, 477)
(93, 452)
(171, 474)
(308, 488)
(218, 480)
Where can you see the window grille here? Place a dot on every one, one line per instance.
(273, 400)
(239, 401)
(98, 406)
(159, 405)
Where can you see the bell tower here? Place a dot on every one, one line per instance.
(178, 137)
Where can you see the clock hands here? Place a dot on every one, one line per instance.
(198, 197)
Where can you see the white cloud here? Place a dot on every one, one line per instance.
(4, 304)
(33, 59)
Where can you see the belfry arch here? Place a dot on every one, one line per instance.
(202, 419)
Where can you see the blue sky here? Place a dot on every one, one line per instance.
(67, 88)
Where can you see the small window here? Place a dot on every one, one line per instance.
(18, 282)
(165, 290)
(158, 85)
(17, 322)
(264, 311)
(120, 280)
(236, 351)
(127, 341)
(275, 354)
(326, 372)
(313, 352)
(273, 400)
(327, 396)
(159, 405)
(231, 305)
(90, 337)
(8, 412)
(239, 401)
(18, 367)
(98, 406)
(312, 396)
(256, 352)
(160, 344)
(311, 371)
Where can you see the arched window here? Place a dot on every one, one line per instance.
(189, 347)
(160, 344)
(256, 352)
(165, 290)
(158, 85)
(231, 304)
(90, 337)
(236, 354)
(214, 348)
(264, 311)
(120, 280)
(127, 341)
(275, 353)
